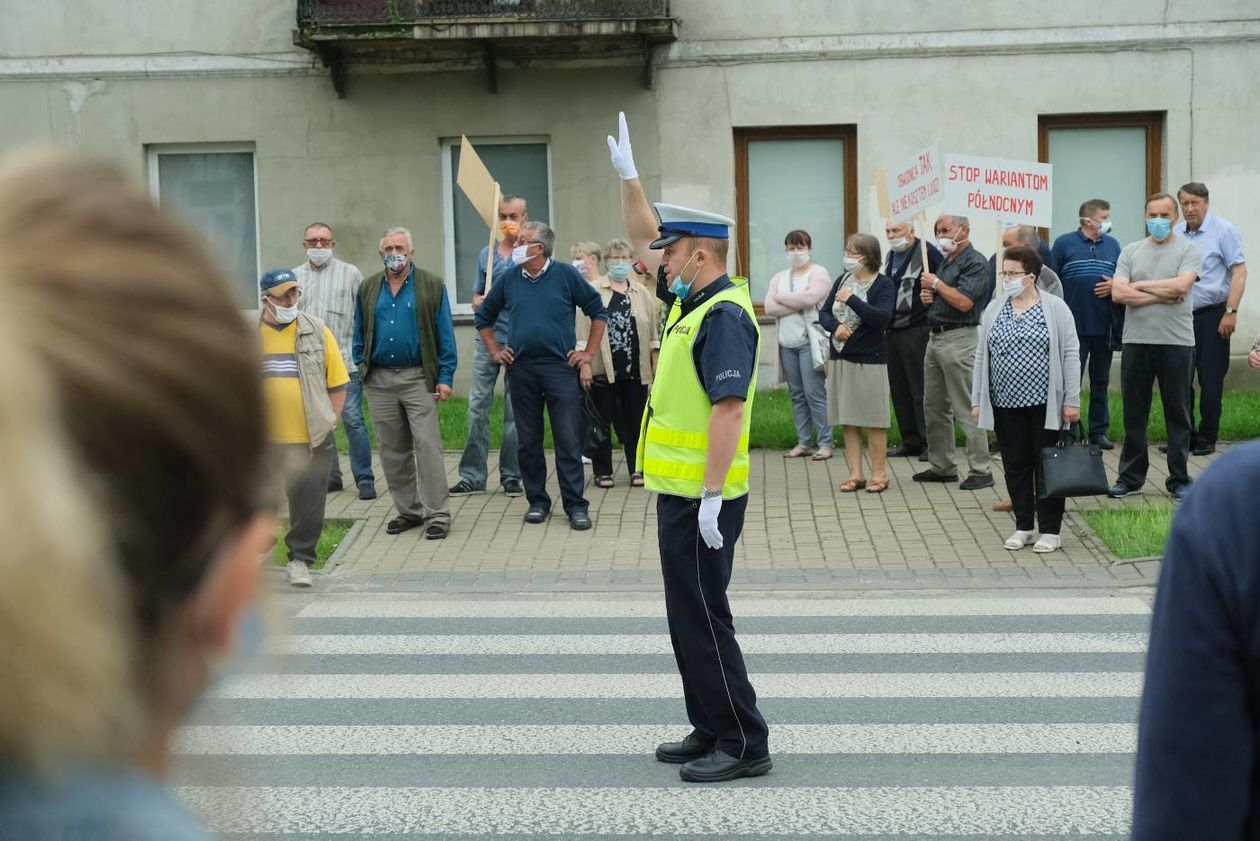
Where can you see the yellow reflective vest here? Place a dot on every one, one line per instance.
(674, 441)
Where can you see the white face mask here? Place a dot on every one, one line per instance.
(1104, 227)
(852, 264)
(520, 254)
(946, 245)
(318, 256)
(1013, 287)
(899, 244)
(284, 315)
(798, 258)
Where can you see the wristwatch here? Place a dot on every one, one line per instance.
(1231, 310)
(705, 493)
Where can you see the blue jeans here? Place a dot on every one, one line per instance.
(808, 389)
(356, 434)
(472, 464)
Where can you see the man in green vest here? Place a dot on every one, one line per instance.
(404, 347)
(694, 455)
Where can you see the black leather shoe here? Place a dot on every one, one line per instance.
(718, 767)
(923, 457)
(1102, 442)
(933, 476)
(1120, 490)
(976, 481)
(1163, 448)
(1179, 492)
(581, 521)
(905, 452)
(1203, 450)
(537, 514)
(691, 747)
(335, 486)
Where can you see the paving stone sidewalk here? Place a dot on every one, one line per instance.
(800, 533)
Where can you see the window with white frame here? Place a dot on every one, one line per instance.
(522, 166)
(213, 189)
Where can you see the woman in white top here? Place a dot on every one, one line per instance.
(793, 299)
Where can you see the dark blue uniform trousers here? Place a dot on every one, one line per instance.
(721, 703)
(536, 383)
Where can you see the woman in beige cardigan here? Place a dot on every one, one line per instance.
(618, 377)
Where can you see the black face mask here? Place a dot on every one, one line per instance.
(662, 286)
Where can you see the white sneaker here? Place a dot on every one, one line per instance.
(299, 574)
(1048, 543)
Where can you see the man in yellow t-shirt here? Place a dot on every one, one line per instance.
(304, 387)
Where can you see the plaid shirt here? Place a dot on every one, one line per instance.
(328, 293)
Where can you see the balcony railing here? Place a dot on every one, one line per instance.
(352, 12)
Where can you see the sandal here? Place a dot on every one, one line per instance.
(636, 480)
(605, 482)
(437, 530)
(799, 451)
(851, 485)
(400, 524)
(877, 486)
(822, 454)
(1018, 541)
(1048, 543)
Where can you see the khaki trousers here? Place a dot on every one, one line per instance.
(947, 400)
(405, 414)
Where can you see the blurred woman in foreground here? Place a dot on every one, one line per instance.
(131, 434)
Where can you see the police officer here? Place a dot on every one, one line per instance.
(694, 454)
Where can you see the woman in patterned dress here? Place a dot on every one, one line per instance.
(1026, 385)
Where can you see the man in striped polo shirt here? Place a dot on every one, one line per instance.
(304, 389)
(1087, 259)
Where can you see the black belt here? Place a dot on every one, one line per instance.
(1221, 306)
(945, 328)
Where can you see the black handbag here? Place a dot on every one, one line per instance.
(1071, 469)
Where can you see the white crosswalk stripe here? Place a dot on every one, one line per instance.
(896, 717)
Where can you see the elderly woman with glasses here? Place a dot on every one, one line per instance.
(620, 373)
(1026, 386)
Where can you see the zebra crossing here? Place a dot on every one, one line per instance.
(929, 717)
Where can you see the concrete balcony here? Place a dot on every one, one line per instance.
(479, 34)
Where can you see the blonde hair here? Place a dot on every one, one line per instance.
(582, 249)
(619, 247)
(132, 443)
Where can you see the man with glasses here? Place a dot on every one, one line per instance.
(328, 289)
(955, 296)
(304, 385)
(542, 354)
(1087, 261)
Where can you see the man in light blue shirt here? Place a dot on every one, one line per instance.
(1215, 301)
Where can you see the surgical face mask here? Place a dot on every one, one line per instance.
(946, 245)
(899, 244)
(619, 271)
(798, 258)
(580, 265)
(520, 254)
(1013, 287)
(283, 315)
(1159, 228)
(318, 256)
(679, 288)
(851, 264)
(394, 262)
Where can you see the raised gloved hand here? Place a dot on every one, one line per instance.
(622, 157)
(709, 510)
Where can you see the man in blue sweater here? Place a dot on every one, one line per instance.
(1200, 722)
(541, 352)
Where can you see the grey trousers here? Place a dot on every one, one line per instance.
(405, 414)
(808, 389)
(947, 400)
(307, 490)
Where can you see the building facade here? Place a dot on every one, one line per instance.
(256, 117)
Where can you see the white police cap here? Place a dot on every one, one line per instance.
(679, 222)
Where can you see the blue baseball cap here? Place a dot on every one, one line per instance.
(278, 281)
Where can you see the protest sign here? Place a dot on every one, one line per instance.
(913, 186)
(482, 191)
(1016, 192)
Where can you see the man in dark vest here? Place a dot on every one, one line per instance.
(404, 347)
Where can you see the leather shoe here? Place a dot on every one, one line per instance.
(718, 767)
(1120, 490)
(1178, 492)
(580, 521)
(1163, 448)
(1203, 450)
(923, 457)
(691, 747)
(976, 481)
(933, 476)
(1102, 442)
(904, 452)
(537, 514)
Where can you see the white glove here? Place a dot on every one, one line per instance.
(709, 510)
(622, 157)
